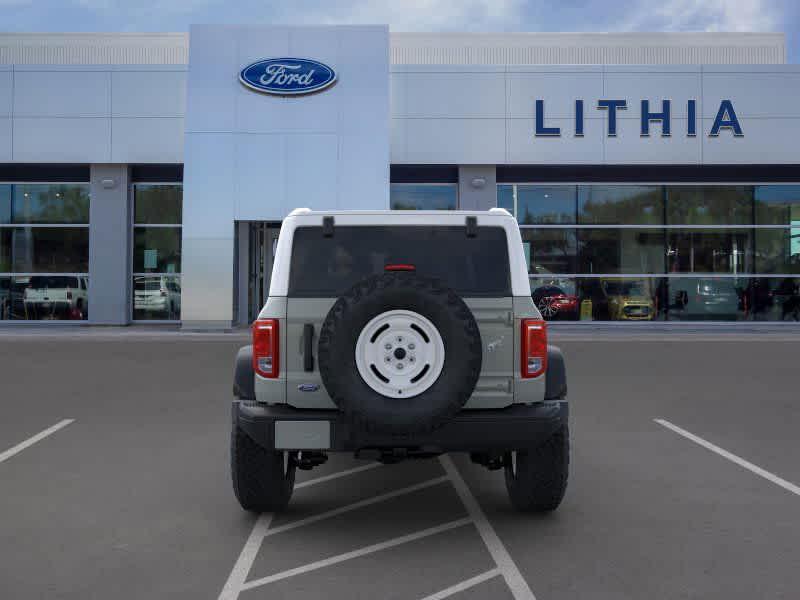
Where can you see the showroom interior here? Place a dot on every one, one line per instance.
(673, 251)
(107, 206)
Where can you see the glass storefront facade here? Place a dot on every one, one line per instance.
(423, 196)
(156, 285)
(44, 251)
(660, 252)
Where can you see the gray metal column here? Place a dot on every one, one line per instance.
(477, 187)
(109, 243)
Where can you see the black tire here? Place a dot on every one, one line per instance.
(260, 482)
(368, 410)
(540, 480)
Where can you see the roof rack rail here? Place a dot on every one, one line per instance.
(300, 211)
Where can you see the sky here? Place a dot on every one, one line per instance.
(414, 15)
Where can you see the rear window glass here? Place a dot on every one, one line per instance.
(324, 267)
(38, 282)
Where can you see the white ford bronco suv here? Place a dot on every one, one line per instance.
(396, 335)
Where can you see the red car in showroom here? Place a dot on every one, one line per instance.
(554, 303)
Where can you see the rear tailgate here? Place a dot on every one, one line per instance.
(494, 388)
(46, 295)
(323, 267)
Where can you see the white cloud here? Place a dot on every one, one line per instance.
(415, 15)
(705, 15)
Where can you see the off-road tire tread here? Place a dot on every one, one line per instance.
(258, 475)
(540, 482)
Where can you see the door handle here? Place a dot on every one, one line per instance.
(308, 347)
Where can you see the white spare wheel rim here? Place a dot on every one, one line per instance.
(399, 354)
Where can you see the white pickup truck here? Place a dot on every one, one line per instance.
(56, 297)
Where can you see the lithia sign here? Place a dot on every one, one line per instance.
(726, 119)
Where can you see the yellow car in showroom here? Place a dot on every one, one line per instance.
(628, 299)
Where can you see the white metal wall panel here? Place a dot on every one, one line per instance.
(311, 166)
(455, 141)
(50, 139)
(397, 141)
(148, 93)
(522, 148)
(264, 154)
(757, 94)
(455, 95)
(211, 211)
(210, 295)
(5, 139)
(765, 141)
(64, 93)
(351, 176)
(147, 140)
(637, 84)
(629, 148)
(559, 90)
(93, 113)
(210, 95)
(313, 138)
(6, 91)
(763, 96)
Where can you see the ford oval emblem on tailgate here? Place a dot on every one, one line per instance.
(287, 76)
(308, 387)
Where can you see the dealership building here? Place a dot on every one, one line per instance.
(143, 177)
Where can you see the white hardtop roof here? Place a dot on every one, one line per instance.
(305, 217)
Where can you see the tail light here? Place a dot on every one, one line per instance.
(266, 347)
(534, 348)
(400, 267)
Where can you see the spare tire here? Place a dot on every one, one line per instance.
(399, 353)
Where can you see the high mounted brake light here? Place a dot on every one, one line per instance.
(401, 267)
(266, 348)
(534, 348)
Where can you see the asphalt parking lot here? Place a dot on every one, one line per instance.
(114, 483)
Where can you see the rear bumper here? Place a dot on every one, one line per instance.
(518, 426)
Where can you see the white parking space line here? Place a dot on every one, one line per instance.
(4, 456)
(245, 561)
(464, 585)
(345, 473)
(418, 535)
(235, 584)
(508, 568)
(356, 505)
(731, 457)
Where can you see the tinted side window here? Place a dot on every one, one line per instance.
(328, 266)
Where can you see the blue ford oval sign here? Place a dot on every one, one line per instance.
(287, 76)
